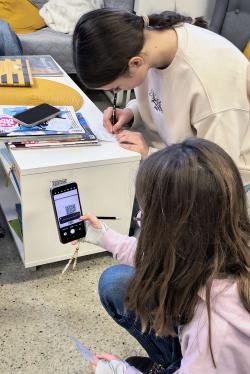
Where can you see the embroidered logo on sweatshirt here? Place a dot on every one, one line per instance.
(155, 101)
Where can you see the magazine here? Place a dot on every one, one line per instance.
(41, 65)
(15, 71)
(66, 125)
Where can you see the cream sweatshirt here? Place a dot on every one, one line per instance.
(203, 93)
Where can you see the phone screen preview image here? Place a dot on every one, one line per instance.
(67, 208)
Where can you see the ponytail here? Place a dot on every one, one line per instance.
(200, 22)
(168, 19)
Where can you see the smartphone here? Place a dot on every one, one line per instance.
(36, 115)
(67, 209)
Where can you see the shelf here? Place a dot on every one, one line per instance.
(6, 164)
(8, 199)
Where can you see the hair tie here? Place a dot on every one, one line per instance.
(146, 21)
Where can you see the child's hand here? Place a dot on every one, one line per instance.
(93, 222)
(105, 356)
(123, 117)
(134, 141)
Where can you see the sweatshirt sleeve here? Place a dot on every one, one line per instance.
(122, 247)
(132, 105)
(115, 367)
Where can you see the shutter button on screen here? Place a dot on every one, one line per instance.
(72, 231)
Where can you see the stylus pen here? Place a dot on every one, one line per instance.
(113, 118)
(106, 217)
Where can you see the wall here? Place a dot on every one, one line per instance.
(193, 8)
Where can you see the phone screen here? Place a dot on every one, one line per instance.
(68, 210)
(37, 114)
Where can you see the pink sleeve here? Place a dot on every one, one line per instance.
(123, 247)
(194, 346)
(132, 370)
(194, 342)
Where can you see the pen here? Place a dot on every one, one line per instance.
(106, 217)
(113, 119)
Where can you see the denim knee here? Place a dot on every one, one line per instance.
(112, 288)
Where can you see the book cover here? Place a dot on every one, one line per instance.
(88, 133)
(15, 71)
(63, 127)
(14, 223)
(40, 65)
(19, 216)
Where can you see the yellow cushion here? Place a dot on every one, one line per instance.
(22, 16)
(43, 91)
(247, 51)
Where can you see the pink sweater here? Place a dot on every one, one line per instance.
(230, 322)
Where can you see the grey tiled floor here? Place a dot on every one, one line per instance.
(39, 312)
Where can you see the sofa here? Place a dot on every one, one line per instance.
(231, 19)
(59, 45)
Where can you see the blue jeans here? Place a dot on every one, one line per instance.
(9, 42)
(113, 285)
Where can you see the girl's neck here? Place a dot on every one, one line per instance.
(160, 47)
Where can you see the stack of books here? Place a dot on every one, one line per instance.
(71, 129)
(75, 130)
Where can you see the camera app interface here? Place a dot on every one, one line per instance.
(67, 207)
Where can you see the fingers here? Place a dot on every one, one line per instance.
(123, 116)
(117, 127)
(93, 220)
(107, 356)
(133, 141)
(107, 114)
(93, 367)
(130, 147)
(127, 136)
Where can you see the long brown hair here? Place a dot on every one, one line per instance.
(194, 228)
(105, 39)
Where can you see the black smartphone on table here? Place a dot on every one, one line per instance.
(67, 209)
(36, 115)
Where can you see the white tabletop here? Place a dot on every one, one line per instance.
(31, 161)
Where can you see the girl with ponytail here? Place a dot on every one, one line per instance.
(188, 81)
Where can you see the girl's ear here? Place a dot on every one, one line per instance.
(135, 63)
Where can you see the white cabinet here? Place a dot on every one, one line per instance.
(105, 176)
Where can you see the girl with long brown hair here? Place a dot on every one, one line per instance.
(183, 289)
